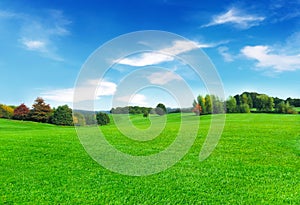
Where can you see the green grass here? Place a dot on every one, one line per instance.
(257, 161)
(298, 109)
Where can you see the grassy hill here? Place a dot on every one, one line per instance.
(256, 161)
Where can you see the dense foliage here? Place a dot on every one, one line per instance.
(208, 105)
(102, 118)
(130, 110)
(21, 112)
(6, 111)
(62, 116)
(41, 111)
(161, 109)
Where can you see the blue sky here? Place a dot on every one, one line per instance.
(255, 46)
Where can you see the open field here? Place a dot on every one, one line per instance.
(257, 161)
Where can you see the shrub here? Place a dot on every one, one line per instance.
(145, 114)
(244, 108)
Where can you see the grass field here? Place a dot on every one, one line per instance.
(257, 161)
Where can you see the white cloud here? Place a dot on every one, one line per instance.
(146, 59)
(39, 33)
(162, 78)
(236, 17)
(223, 51)
(34, 45)
(267, 58)
(104, 88)
(136, 99)
(162, 55)
(59, 95)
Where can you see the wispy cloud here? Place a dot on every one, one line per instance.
(237, 18)
(38, 33)
(34, 45)
(146, 59)
(7, 14)
(164, 54)
(135, 99)
(66, 95)
(162, 78)
(223, 51)
(268, 58)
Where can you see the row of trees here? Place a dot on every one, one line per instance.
(42, 112)
(244, 103)
(208, 105)
(160, 110)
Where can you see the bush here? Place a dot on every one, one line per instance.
(285, 108)
(145, 114)
(102, 118)
(244, 108)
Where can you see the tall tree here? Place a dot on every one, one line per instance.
(21, 112)
(208, 104)
(201, 103)
(217, 104)
(41, 111)
(265, 103)
(231, 105)
(62, 116)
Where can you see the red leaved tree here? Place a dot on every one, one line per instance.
(197, 109)
(21, 112)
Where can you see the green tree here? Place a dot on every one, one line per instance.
(244, 108)
(201, 103)
(285, 108)
(62, 116)
(41, 111)
(21, 112)
(208, 104)
(265, 103)
(218, 105)
(231, 106)
(146, 113)
(161, 109)
(102, 118)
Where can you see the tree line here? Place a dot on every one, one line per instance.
(208, 104)
(42, 112)
(245, 103)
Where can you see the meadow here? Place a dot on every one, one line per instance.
(257, 161)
